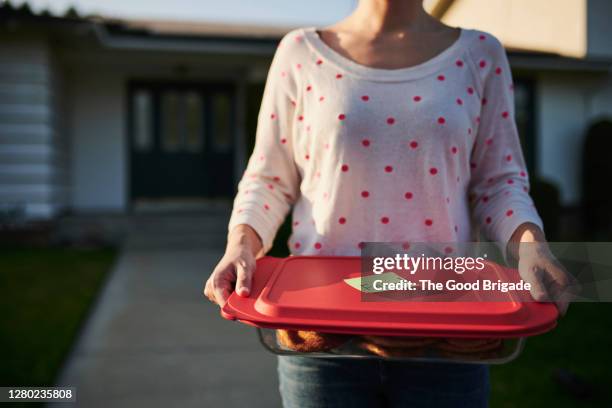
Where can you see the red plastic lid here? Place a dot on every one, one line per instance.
(309, 293)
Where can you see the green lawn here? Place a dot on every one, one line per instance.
(581, 344)
(45, 295)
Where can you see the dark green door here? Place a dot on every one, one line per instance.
(181, 140)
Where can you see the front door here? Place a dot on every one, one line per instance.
(181, 140)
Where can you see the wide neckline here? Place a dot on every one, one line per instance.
(313, 38)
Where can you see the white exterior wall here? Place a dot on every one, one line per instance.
(33, 141)
(558, 26)
(600, 28)
(97, 121)
(566, 105)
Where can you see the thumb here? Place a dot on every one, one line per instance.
(244, 273)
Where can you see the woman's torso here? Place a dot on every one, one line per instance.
(383, 155)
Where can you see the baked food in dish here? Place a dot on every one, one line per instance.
(400, 341)
(471, 349)
(396, 346)
(386, 351)
(309, 341)
(468, 346)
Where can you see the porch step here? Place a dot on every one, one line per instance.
(178, 230)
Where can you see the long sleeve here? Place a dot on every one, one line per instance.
(499, 184)
(270, 183)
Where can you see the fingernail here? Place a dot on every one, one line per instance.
(243, 292)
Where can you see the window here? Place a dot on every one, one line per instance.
(142, 107)
(194, 117)
(182, 121)
(171, 132)
(222, 122)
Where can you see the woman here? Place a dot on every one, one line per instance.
(388, 126)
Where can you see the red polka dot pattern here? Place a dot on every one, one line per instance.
(411, 153)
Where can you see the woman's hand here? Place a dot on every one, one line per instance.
(236, 267)
(537, 265)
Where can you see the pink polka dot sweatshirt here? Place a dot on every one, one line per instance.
(427, 153)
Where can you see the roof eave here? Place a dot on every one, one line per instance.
(548, 62)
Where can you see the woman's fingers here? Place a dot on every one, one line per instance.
(208, 292)
(533, 275)
(549, 280)
(218, 285)
(226, 275)
(244, 271)
(563, 285)
(222, 285)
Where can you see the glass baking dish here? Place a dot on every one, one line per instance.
(450, 349)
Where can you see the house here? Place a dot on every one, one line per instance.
(102, 115)
(561, 56)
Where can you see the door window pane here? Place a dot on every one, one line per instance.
(221, 116)
(171, 123)
(194, 116)
(141, 120)
(524, 112)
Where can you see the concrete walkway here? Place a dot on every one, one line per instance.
(153, 341)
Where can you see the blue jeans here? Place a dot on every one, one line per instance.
(306, 382)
